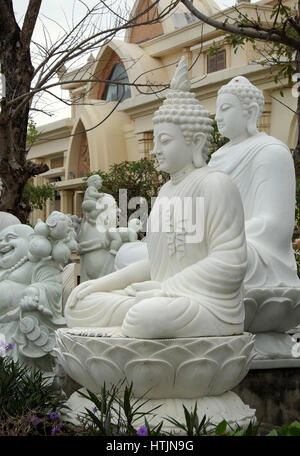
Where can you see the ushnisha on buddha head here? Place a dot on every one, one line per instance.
(239, 107)
(177, 148)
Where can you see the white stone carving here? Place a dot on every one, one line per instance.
(99, 214)
(201, 370)
(177, 307)
(31, 286)
(190, 286)
(168, 368)
(262, 169)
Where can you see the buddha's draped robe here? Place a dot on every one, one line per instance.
(201, 280)
(262, 169)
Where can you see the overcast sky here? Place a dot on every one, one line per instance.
(61, 12)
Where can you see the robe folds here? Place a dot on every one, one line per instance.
(262, 168)
(200, 273)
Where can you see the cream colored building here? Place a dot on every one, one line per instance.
(148, 55)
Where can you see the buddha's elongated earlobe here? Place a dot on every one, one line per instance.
(253, 113)
(198, 142)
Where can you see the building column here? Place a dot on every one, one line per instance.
(77, 202)
(66, 201)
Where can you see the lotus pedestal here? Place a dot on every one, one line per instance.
(171, 372)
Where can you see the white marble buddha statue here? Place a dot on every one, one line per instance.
(190, 285)
(262, 169)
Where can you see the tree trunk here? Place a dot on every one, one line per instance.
(17, 69)
(297, 150)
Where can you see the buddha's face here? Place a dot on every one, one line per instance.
(13, 247)
(231, 120)
(171, 150)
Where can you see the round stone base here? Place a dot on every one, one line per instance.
(227, 406)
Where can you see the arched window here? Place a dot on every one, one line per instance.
(113, 92)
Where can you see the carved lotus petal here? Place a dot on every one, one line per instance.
(292, 319)
(194, 378)
(103, 371)
(229, 375)
(60, 343)
(155, 376)
(119, 355)
(65, 340)
(237, 343)
(34, 334)
(271, 315)
(199, 347)
(247, 349)
(81, 352)
(96, 345)
(76, 370)
(60, 357)
(145, 347)
(250, 311)
(274, 345)
(175, 355)
(293, 294)
(220, 353)
(259, 295)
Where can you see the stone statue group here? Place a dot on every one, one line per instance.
(192, 300)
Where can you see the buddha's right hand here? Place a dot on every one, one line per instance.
(76, 293)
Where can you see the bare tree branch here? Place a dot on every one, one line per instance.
(261, 34)
(30, 21)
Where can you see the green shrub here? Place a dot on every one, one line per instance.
(140, 178)
(24, 391)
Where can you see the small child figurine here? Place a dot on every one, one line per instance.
(91, 196)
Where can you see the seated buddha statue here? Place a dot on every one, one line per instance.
(191, 284)
(262, 168)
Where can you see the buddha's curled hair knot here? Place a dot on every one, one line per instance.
(181, 80)
(181, 107)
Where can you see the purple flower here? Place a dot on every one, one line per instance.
(142, 431)
(55, 429)
(94, 410)
(53, 416)
(35, 421)
(10, 346)
(29, 419)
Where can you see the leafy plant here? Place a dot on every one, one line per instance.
(23, 390)
(32, 131)
(192, 426)
(217, 140)
(140, 178)
(116, 414)
(37, 195)
(291, 430)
